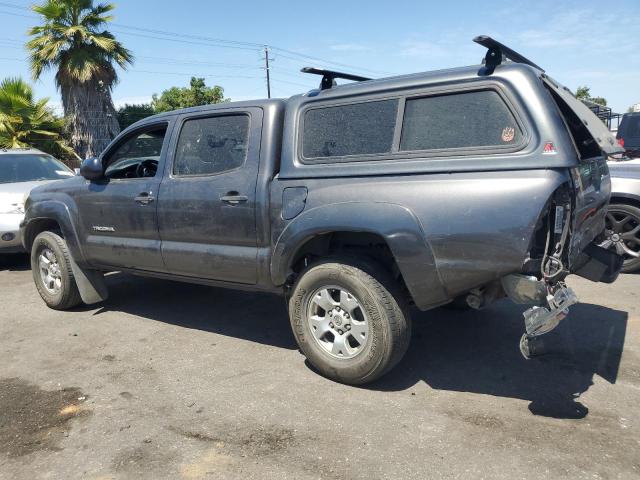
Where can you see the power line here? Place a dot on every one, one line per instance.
(220, 42)
(202, 40)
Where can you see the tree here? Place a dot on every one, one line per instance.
(27, 122)
(130, 114)
(584, 93)
(182, 97)
(72, 41)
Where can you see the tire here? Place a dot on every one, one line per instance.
(60, 291)
(630, 215)
(379, 327)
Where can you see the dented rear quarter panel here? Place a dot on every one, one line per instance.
(472, 227)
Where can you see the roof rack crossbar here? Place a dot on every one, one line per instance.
(329, 77)
(496, 52)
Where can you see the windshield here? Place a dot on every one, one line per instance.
(30, 168)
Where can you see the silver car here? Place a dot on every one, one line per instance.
(623, 217)
(20, 171)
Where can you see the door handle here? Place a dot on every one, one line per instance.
(145, 198)
(234, 198)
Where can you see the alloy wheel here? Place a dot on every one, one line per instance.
(50, 271)
(338, 322)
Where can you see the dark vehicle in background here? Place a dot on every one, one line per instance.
(623, 218)
(354, 201)
(22, 169)
(628, 134)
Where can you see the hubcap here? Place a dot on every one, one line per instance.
(338, 322)
(50, 271)
(623, 234)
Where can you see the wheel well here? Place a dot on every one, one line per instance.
(626, 200)
(38, 226)
(362, 244)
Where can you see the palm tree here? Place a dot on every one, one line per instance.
(26, 122)
(72, 41)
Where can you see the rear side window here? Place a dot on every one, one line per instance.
(344, 130)
(459, 120)
(212, 145)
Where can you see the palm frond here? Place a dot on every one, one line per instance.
(25, 120)
(70, 40)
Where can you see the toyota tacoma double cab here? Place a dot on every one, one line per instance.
(356, 202)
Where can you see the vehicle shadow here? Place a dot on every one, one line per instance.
(477, 351)
(14, 262)
(257, 317)
(471, 351)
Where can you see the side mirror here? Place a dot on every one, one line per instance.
(91, 169)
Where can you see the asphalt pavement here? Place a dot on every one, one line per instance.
(168, 380)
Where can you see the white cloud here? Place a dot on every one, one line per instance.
(421, 48)
(586, 29)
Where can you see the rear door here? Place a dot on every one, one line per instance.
(207, 202)
(593, 143)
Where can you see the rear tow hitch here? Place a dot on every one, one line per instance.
(539, 320)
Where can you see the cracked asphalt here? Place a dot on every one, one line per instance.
(174, 381)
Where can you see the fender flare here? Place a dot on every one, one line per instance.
(90, 282)
(395, 223)
(59, 212)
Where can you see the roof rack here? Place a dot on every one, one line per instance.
(496, 52)
(329, 77)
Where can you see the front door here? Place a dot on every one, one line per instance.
(207, 202)
(118, 214)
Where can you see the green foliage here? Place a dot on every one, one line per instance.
(182, 97)
(130, 114)
(72, 40)
(584, 93)
(27, 122)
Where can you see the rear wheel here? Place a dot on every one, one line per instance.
(623, 234)
(52, 272)
(349, 319)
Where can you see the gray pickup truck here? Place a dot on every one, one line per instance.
(356, 202)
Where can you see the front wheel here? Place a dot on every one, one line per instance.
(349, 319)
(52, 272)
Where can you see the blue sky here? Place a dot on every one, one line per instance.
(578, 42)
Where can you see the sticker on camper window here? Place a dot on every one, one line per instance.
(508, 134)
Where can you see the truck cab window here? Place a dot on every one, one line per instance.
(137, 156)
(212, 145)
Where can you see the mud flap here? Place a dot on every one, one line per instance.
(90, 283)
(599, 264)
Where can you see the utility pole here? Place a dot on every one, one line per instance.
(266, 65)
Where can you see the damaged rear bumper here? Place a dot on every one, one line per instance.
(551, 300)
